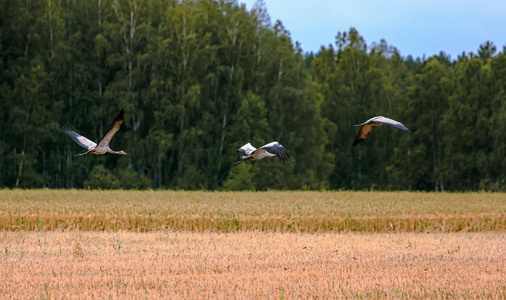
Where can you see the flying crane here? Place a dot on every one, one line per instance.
(103, 145)
(269, 150)
(366, 127)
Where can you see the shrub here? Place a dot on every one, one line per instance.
(101, 178)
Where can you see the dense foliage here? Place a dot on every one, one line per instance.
(198, 79)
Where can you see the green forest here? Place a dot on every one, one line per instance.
(199, 79)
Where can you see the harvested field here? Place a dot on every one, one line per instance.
(311, 212)
(168, 244)
(170, 265)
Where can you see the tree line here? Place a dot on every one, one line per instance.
(199, 79)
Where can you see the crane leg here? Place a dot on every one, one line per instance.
(81, 154)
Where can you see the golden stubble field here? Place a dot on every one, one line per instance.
(251, 265)
(91, 244)
(312, 212)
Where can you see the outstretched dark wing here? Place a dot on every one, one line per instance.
(115, 125)
(276, 148)
(363, 133)
(79, 139)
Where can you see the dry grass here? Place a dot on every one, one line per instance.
(170, 265)
(88, 244)
(312, 212)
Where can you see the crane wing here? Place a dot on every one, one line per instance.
(276, 148)
(393, 123)
(363, 133)
(247, 149)
(115, 125)
(367, 122)
(79, 139)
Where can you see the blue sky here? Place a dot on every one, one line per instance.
(415, 27)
